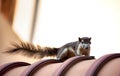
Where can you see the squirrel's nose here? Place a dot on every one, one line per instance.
(87, 48)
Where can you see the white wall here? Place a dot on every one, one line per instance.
(62, 21)
(23, 18)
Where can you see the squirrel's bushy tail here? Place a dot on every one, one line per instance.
(30, 50)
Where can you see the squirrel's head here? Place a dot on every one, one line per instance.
(85, 40)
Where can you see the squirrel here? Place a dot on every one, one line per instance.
(76, 48)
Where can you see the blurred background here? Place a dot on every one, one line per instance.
(54, 23)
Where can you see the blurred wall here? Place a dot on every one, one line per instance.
(23, 18)
(7, 8)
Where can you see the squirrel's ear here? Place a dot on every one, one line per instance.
(90, 38)
(79, 39)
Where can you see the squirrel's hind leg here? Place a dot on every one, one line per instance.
(62, 53)
(65, 53)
